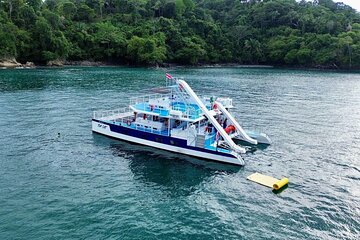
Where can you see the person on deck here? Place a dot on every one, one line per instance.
(224, 123)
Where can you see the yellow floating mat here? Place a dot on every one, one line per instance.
(268, 181)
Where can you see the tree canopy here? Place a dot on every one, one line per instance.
(142, 32)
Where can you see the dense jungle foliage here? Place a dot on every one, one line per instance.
(149, 32)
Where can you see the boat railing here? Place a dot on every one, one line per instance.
(172, 82)
(188, 112)
(116, 113)
(146, 98)
(188, 109)
(143, 103)
(124, 117)
(146, 107)
(130, 122)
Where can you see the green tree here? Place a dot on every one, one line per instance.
(68, 9)
(304, 56)
(108, 42)
(85, 14)
(52, 18)
(280, 32)
(150, 50)
(345, 46)
(27, 16)
(253, 51)
(50, 45)
(12, 7)
(192, 51)
(35, 4)
(180, 7)
(7, 40)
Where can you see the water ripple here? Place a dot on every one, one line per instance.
(58, 180)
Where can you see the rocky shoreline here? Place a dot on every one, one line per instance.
(86, 63)
(12, 63)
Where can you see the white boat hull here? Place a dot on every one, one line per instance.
(104, 129)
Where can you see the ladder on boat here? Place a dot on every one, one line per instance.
(200, 141)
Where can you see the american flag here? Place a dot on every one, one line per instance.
(168, 76)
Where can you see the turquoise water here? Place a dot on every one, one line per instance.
(79, 185)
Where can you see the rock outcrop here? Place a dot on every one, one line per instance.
(9, 63)
(55, 63)
(29, 65)
(86, 63)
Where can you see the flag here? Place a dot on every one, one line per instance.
(168, 76)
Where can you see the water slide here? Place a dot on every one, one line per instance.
(226, 137)
(239, 129)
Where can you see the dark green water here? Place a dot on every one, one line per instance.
(85, 186)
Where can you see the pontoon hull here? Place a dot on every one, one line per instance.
(162, 142)
(261, 138)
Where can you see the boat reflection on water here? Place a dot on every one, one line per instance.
(175, 173)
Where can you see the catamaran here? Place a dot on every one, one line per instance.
(178, 120)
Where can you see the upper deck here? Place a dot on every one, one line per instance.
(167, 106)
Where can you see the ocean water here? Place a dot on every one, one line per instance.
(58, 180)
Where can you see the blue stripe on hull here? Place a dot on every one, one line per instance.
(159, 138)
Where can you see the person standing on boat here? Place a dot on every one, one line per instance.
(224, 123)
(209, 127)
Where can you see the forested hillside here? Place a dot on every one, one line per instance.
(147, 32)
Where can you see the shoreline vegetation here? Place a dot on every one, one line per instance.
(310, 34)
(13, 64)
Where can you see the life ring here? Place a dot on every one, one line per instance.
(230, 129)
(128, 123)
